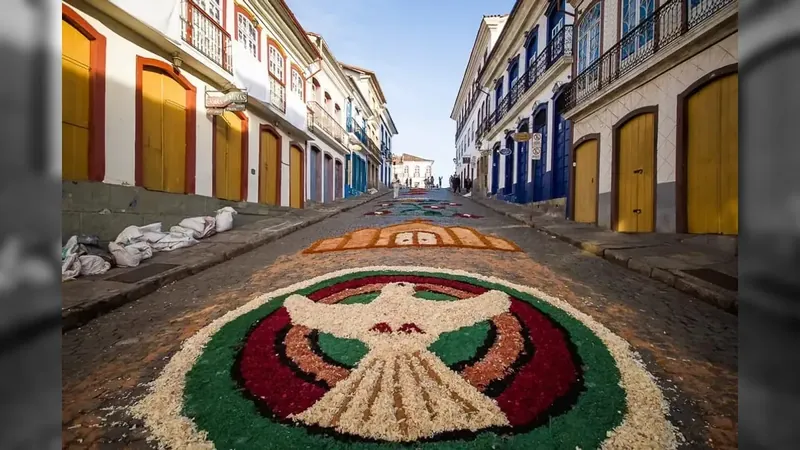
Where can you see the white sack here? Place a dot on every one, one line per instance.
(202, 227)
(93, 265)
(225, 218)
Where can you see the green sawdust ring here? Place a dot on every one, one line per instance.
(214, 401)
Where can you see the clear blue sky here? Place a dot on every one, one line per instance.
(418, 49)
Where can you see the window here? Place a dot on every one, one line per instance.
(212, 7)
(247, 34)
(416, 171)
(589, 38)
(635, 12)
(297, 83)
(277, 63)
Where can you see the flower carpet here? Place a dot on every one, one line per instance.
(421, 207)
(387, 356)
(414, 233)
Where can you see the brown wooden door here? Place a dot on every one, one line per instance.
(163, 132)
(228, 162)
(75, 97)
(712, 165)
(295, 177)
(269, 166)
(586, 182)
(636, 172)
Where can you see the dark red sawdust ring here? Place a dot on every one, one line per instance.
(536, 385)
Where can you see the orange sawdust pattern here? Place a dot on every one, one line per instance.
(416, 233)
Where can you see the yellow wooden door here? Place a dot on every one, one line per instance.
(635, 194)
(296, 178)
(586, 182)
(75, 88)
(228, 161)
(712, 165)
(268, 170)
(163, 133)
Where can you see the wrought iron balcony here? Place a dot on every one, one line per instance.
(373, 147)
(323, 120)
(559, 46)
(206, 34)
(670, 21)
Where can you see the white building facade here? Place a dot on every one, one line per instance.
(328, 154)
(135, 71)
(654, 107)
(472, 103)
(412, 170)
(525, 75)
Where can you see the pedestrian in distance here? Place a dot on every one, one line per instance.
(396, 187)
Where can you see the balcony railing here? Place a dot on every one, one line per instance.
(559, 46)
(670, 21)
(323, 120)
(373, 147)
(206, 35)
(277, 94)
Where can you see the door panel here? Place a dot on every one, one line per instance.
(296, 178)
(228, 162)
(635, 194)
(329, 185)
(586, 182)
(314, 174)
(712, 164)
(339, 180)
(163, 133)
(75, 97)
(268, 170)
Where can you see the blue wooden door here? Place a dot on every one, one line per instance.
(560, 157)
(540, 167)
(509, 170)
(495, 171)
(522, 171)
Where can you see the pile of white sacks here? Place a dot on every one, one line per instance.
(136, 244)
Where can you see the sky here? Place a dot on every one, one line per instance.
(417, 48)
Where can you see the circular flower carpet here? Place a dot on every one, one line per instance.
(420, 207)
(390, 356)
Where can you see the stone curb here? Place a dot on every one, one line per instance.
(700, 289)
(81, 315)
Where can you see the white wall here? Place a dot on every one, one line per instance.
(662, 91)
(121, 53)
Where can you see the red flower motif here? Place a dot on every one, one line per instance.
(410, 328)
(382, 327)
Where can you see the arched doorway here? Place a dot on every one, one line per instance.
(165, 105)
(560, 157)
(296, 178)
(83, 98)
(633, 172)
(540, 190)
(708, 155)
(495, 168)
(269, 166)
(522, 166)
(586, 160)
(339, 180)
(229, 156)
(328, 178)
(508, 160)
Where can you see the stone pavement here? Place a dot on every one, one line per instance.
(88, 297)
(701, 266)
(689, 346)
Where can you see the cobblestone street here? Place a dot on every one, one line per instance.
(689, 346)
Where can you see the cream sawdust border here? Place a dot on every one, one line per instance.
(645, 424)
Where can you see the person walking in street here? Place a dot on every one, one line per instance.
(396, 187)
(440, 182)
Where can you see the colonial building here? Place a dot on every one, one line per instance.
(387, 130)
(654, 107)
(412, 170)
(371, 104)
(524, 78)
(152, 98)
(328, 154)
(472, 104)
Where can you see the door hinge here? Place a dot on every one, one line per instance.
(637, 211)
